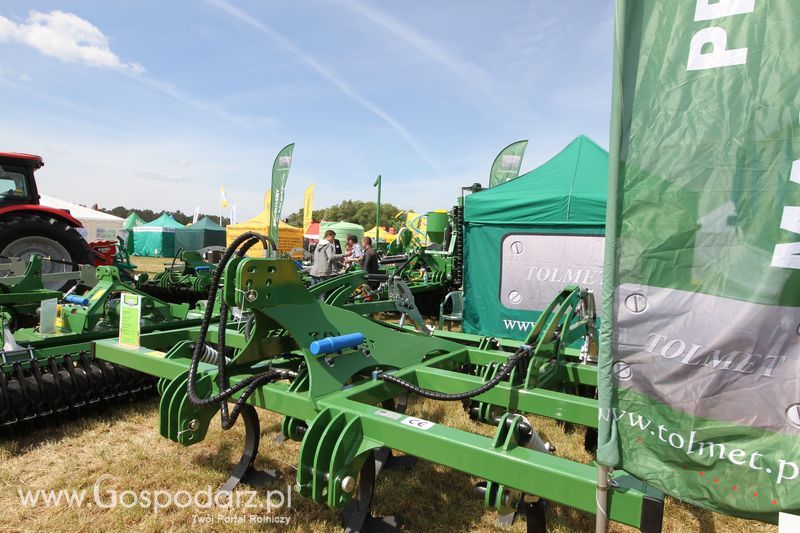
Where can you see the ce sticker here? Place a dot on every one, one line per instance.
(418, 423)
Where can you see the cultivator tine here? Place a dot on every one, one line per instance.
(244, 471)
(357, 515)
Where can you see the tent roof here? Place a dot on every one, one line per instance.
(312, 231)
(78, 211)
(205, 223)
(133, 220)
(385, 234)
(164, 221)
(341, 226)
(261, 219)
(571, 188)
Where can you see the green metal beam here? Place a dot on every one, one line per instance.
(554, 478)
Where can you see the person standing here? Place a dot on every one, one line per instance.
(369, 261)
(325, 258)
(354, 249)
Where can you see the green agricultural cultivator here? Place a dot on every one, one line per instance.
(341, 382)
(47, 369)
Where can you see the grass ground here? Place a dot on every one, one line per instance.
(124, 444)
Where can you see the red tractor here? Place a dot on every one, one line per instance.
(28, 228)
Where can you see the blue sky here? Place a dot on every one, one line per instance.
(154, 104)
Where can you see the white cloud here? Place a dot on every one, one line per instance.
(67, 37)
(70, 38)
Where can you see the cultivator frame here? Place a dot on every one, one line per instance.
(340, 379)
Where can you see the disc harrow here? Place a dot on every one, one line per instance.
(49, 373)
(36, 392)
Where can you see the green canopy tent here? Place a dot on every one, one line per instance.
(126, 233)
(205, 232)
(527, 238)
(156, 238)
(342, 229)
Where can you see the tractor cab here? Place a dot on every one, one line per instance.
(17, 184)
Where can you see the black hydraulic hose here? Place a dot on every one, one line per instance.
(512, 361)
(250, 383)
(171, 267)
(222, 380)
(405, 264)
(248, 327)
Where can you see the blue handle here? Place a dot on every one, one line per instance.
(202, 268)
(336, 344)
(77, 300)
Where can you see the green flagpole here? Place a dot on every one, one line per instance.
(377, 210)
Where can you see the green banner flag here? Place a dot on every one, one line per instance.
(507, 163)
(280, 173)
(700, 368)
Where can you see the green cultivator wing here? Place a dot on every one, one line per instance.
(341, 381)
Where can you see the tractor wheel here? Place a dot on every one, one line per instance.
(24, 235)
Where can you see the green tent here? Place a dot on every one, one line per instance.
(527, 238)
(131, 222)
(156, 238)
(342, 229)
(205, 232)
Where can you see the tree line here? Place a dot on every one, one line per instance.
(355, 211)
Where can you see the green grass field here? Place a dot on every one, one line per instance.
(123, 443)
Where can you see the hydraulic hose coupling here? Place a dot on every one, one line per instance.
(330, 345)
(77, 300)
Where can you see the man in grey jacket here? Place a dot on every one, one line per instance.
(325, 257)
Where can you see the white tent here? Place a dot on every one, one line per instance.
(97, 226)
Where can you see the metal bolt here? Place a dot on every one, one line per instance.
(636, 303)
(251, 295)
(194, 424)
(514, 297)
(349, 484)
(517, 247)
(622, 370)
(793, 414)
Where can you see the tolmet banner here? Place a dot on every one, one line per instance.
(700, 367)
(280, 173)
(507, 163)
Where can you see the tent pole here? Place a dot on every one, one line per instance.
(601, 518)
